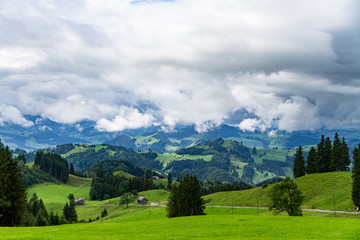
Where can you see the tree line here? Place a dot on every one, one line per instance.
(53, 164)
(105, 186)
(326, 157)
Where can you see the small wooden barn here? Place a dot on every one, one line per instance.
(155, 178)
(142, 201)
(80, 201)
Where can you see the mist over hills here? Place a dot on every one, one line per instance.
(47, 133)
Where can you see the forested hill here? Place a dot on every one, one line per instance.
(83, 156)
(226, 160)
(221, 160)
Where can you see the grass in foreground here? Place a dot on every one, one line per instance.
(243, 224)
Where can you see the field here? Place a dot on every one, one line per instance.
(319, 190)
(218, 224)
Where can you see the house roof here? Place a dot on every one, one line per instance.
(141, 198)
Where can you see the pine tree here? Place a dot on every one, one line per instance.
(355, 194)
(320, 148)
(72, 171)
(299, 163)
(172, 206)
(72, 212)
(12, 190)
(345, 156)
(311, 161)
(327, 155)
(336, 149)
(169, 181)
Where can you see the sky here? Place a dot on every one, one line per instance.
(257, 64)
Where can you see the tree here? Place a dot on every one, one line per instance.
(169, 181)
(126, 198)
(124, 187)
(327, 155)
(336, 154)
(355, 194)
(69, 211)
(311, 161)
(345, 156)
(12, 190)
(185, 199)
(172, 207)
(72, 171)
(104, 213)
(285, 196)
(299, 163)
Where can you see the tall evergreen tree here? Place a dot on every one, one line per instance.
(327, 155)
(355, 194)
(336, 151)
(311, 161)
(172, 206)
(320, 148)
(169, 181)
(72, 171)
(72, 215)
(12, 190)
(345, 156)
(299, 163)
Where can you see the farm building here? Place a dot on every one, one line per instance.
(142, 201)
(155, 178)
(80, 201)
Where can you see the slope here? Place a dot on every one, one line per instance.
(319, 190)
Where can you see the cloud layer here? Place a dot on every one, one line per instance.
(293, 65)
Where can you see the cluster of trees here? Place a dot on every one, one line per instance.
(53, 164)
(37, 214)
(326, 157)
(84, 159)
(12, 190)
(32, 175)
(209, 187)
(355, 194)
(105, 186)
(185, 198)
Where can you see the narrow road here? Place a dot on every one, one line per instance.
(304, 209)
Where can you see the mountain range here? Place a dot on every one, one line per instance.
(46, 133)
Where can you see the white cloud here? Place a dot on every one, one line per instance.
(127, 118)
(10, 114)
(292, 64)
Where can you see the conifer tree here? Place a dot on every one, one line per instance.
(336, 149)
(345, 156)
(355, 194)
(12, 190)
(311, 161)
(172, 206)
(327, 155)
(72, 171)
(320, 149)
(299, 163)
(169, 181)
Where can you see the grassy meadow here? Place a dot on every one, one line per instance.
(319, 190)
(219, 223)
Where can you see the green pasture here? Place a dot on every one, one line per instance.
(319, 190)
(272, 154)
(152, 223)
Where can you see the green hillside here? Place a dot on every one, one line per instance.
(317, 188)
(218, 224)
